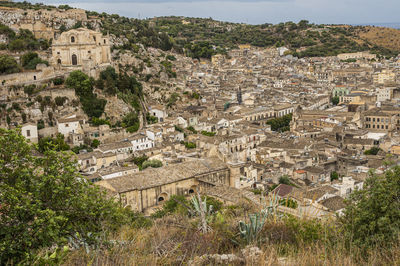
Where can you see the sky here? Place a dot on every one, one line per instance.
(250, 11)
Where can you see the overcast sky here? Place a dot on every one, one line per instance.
(250, 11)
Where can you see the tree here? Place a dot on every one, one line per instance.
(152, 164)
(83, 86)
(334, 175)
(46, 203)
(8, 65)
(57, 144)
(284, 180)
(81, 83)
(372, 216)
(373, 151)
(335, 100)
(95, 143)
(30, 60)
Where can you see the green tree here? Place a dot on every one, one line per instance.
(8, 65)
(152, 164)
(335, 100)
(57, 144)
(373, 151)
(372, 216)
(46, 203)
(334, 175)
(30, 60)
(285, 180)
(83, 86)
(95, 143)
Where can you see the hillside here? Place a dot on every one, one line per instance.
(202, 38)
(385, 37)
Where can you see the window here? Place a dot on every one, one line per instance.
(58, 52)
(34, 77)
(104, 41)
(59, 61)
(94, 38)
(66, 125)
(72, 39)
(28, 133)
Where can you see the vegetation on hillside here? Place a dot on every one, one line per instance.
(83, 86)
(23, 40)
(45, 203)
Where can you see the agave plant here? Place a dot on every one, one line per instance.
(201, 209)
(249, 231)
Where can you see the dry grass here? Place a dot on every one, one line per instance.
(385, 37)
(175, 240)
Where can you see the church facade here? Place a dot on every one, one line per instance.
(82, 49)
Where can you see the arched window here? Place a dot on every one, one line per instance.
(160, 199)
(59, 61)
(72, 39)
(74, 60)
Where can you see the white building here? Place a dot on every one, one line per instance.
(348, 186)
(159, 112)
(141, 142)
(30, 132)
(69, 125)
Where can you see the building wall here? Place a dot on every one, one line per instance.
(30, 132)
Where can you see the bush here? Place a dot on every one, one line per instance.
(372, 151)
(208, 134)
(30, 60)
(58, 81)
(194, 131)
(140, 160)
(57, 144)
(280, 124)
(46, 203)
(372, 216)
(189, 145)
(8, 65)
(60, 100)
(30, 89)
(83, 86)
(95, 143)
(131, 122)
(152, 163)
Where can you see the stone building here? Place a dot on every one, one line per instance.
(150, 188)
(82, 49)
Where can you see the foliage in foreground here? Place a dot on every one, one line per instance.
(46, 203)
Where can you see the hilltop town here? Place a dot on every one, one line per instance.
(269, 119)
(146, 123)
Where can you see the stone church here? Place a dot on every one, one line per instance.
(82, 49)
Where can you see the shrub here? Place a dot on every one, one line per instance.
(46, 203)
(30, 60)
(372, 216)
(30, 89)
(8, 65)
(189, 145)
(95, 143)
(60, 100)
(208, 134)
(57, 144)
(372, 151)
(58, 81)
(152, 163)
